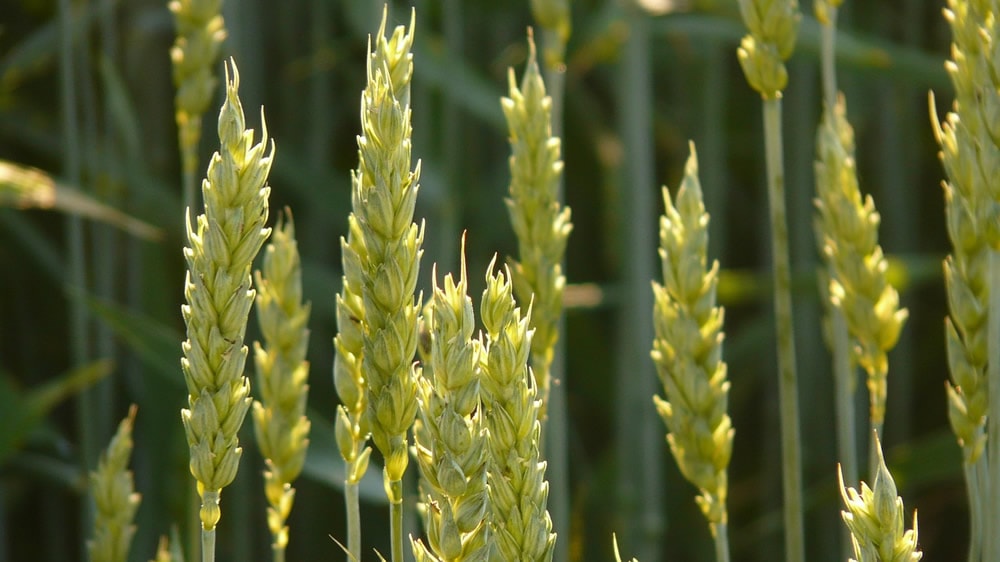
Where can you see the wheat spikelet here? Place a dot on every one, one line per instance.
(113, 489)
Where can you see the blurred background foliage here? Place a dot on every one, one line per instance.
(89, 311)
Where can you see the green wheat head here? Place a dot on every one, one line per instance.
(875, 518)
(520, 525)
(200, 33)
(687, 350)
(847, 228)
(541, 224)
(449, 433)
(964, 137)
(113, 489)
(222, 244)
(773, 26)
(280, 423)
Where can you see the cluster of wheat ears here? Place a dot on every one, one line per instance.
(422, 380)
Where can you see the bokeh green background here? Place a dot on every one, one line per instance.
(671, 77)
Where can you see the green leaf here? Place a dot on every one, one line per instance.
(22, 411)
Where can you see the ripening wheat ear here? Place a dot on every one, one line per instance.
(222, 245)
(282, 428)
(688, 353)
(969, 155)
(113, 490)
(520, 525)
(200, 33)
(448, 435)
(542, 225)
(847, 228)
(391, 58)
(875, 518)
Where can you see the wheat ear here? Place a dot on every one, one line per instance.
(875, 518)
(520, 525)
(968, 154)
(222, 244)
(541, 224)
(448, 435)
(200, 33)
(847, 228)
(688, 352)
(280, 423)
(113, 489)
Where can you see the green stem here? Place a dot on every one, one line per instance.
(353, 520)
(207, 545)
(844, 384)
(720, 533)
(190, 183)
(992, 531)
(873, 449)
(553, 447)
(828, 64)
(279, 553)
(396, 519)
(787, 381)
(973, 473)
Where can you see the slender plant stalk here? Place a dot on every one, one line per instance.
(788, 382)
(77, 269)
(639, 483)
(773, 26)
(992, 531)
(222, 245)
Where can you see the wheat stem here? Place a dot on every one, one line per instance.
(788, 380)
(992, 531)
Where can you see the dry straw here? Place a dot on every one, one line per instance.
(847, 228)
(113, 489)
(875, 518)
(449, 439)
(282, 428)
(200, 33)
(688, 352)
(520, 525)
(541, 224)
(376, 241)
(222, 245)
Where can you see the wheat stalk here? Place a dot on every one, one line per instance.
(222, 245)
(280, 424)
(200, 33)
(520, 525)
(773, 26)
(688, 352)
(113, 490)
